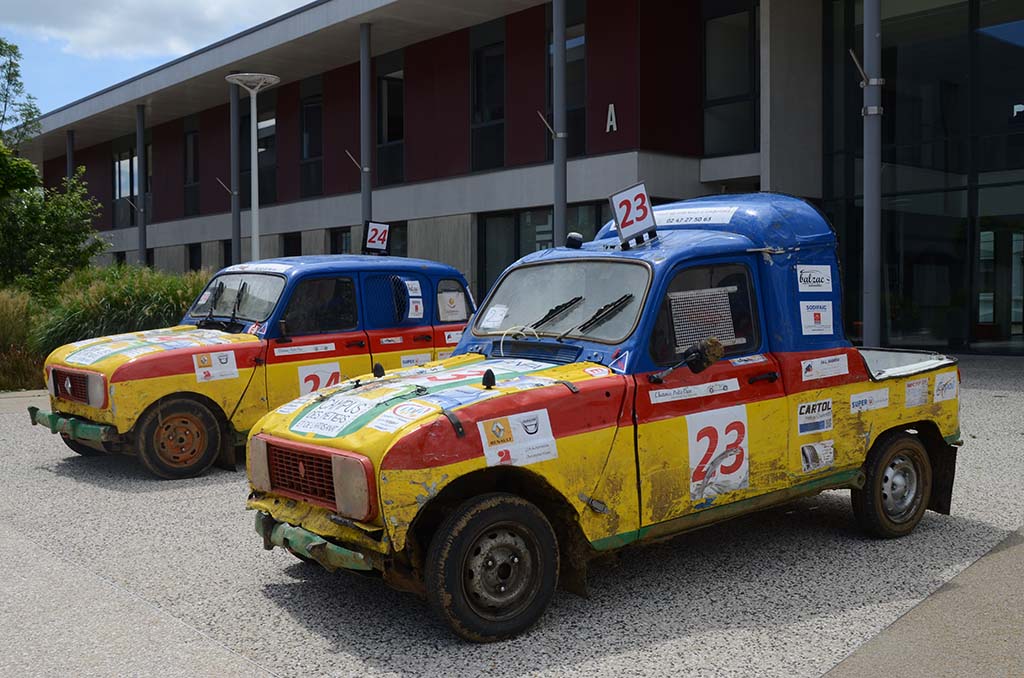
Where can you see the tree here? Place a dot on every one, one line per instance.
(46, 234)
(16, 174)
(19, 114)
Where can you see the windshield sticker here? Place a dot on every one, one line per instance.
(400, 415)
(620, 363)
(945, 386)
(392, 340)
(870, 400)
(518, 439)
(916, 392)
(318, 376)
(699, 314)
(695, 215)
(816, 317)
(333, 415)
(452, 337)
(513, 365)
(814, 456)
(413, 286)
(415, 308)
(203, 298)
(814, 278)
(668, 395)
(814, 417)
(258, 268)
(214, 366)
(494, 317)
(302, 350)
(749, 360)
(451, 307)
(255, 329)
(597, 371)
(719, 462)
(822, 368)
(415, 359)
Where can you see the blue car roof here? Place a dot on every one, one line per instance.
(336, 263)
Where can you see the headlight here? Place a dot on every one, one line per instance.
(259, 470)
(96, 386)
(352, 487)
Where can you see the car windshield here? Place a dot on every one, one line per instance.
(259, 295)
(593, 299)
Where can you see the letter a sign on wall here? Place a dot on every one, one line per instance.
(375, 238)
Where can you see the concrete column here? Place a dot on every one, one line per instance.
(236, 202)
(559, 114)
(69, 152)
(315, 241)
(872, 113)
(366, 122)
(140, 179)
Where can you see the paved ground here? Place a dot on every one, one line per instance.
(105, 571)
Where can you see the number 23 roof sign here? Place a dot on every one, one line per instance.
(633, 213)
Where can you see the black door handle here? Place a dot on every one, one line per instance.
(767, 376)
(422, 337)
(352, 344)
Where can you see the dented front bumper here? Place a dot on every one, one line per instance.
(308, 545)
(74, 428)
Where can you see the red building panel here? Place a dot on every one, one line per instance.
(612, 75)
(54, 170)
(99, 178)
(525, 88)
(214, 159)
(287, 141)
(437, 107)
(670, 77)
(341, 129)
(168, 189)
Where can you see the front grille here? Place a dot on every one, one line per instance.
(71, 386)
(302, 475)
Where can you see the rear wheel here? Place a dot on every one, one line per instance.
(80, 447)
(897, 487)
(492, 567)
(179, 438)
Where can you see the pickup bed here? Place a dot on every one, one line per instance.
(608, 393)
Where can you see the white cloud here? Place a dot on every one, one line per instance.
(134, 28)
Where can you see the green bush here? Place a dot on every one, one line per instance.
(94, 302)
(20, 366)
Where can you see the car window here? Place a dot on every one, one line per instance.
(706, 301)
(322, 305)
(452, 304)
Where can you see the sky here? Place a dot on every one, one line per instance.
(73, 48)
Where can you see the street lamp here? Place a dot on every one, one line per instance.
(253, 83)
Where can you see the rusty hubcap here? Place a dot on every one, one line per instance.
(501, 574)
(180, 440)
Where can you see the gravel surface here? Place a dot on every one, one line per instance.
(111, 571)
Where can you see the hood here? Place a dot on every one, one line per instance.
(106, 354)
(369, 417)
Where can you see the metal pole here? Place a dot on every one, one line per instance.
(558, 106)
(236, 203)
(254, 178)
(365, 123)
(140, 178)
(872, 114)
(69, 152)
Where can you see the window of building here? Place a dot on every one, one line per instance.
(291, 245)
(119, 258)
(192, 173)
(311, 168)
(321, 306)
(341, 240)
(390, 118)
(149, 257)
(124, 188)
(731, 78)
(702, 302)
(575, 78)
(195, 256)
(266, 149)
(225, 249)
(398, 235)
(487, 42)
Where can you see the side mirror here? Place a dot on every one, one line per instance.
(703, 355)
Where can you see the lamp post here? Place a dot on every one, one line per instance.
(253, 83)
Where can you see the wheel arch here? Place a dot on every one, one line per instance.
(941, 456)
(226, 456)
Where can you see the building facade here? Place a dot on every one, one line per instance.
(690, 96)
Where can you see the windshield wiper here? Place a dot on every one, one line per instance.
(606, 312)
(218, 291)
(555, 311)
(238, 300)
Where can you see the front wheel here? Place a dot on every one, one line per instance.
(81, 448)
(897, 487)
(492, 567)
(179, 438)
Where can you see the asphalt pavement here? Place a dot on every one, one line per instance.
(107, 571)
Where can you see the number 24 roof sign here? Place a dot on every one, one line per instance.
(633, 212)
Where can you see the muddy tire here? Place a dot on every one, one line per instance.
(81, 448)
(179, 438)
(897, 487)
(492, 567)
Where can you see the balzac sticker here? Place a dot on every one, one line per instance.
(518, 439)
(814, 278)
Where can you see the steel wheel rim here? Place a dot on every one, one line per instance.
(900, 488)
(180, 440)
(500, 573)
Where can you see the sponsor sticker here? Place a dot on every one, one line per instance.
(945, 386)
(822, 368)
(494, 317)
(400, 415)
(415, 308)
(451, 307)
(215, 366)
(415, 359)
(749, 360)
(819, 455)
(392, 340)
(597, 371)
(667, 395)
(413, 286)
(525, 383)
(517, 365)
(695, 215)
(814, 278)
(203, 298)
(442, 355)
(518, 439)
(141, 350)
(303, 350)
(297, 404)
(869, 400)
(620, 363)
(451, 398)
(94, 354)
(453, 337)
(330, 417)
(814, 417)
(816, 317)
(916, 393)
(719, 462)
